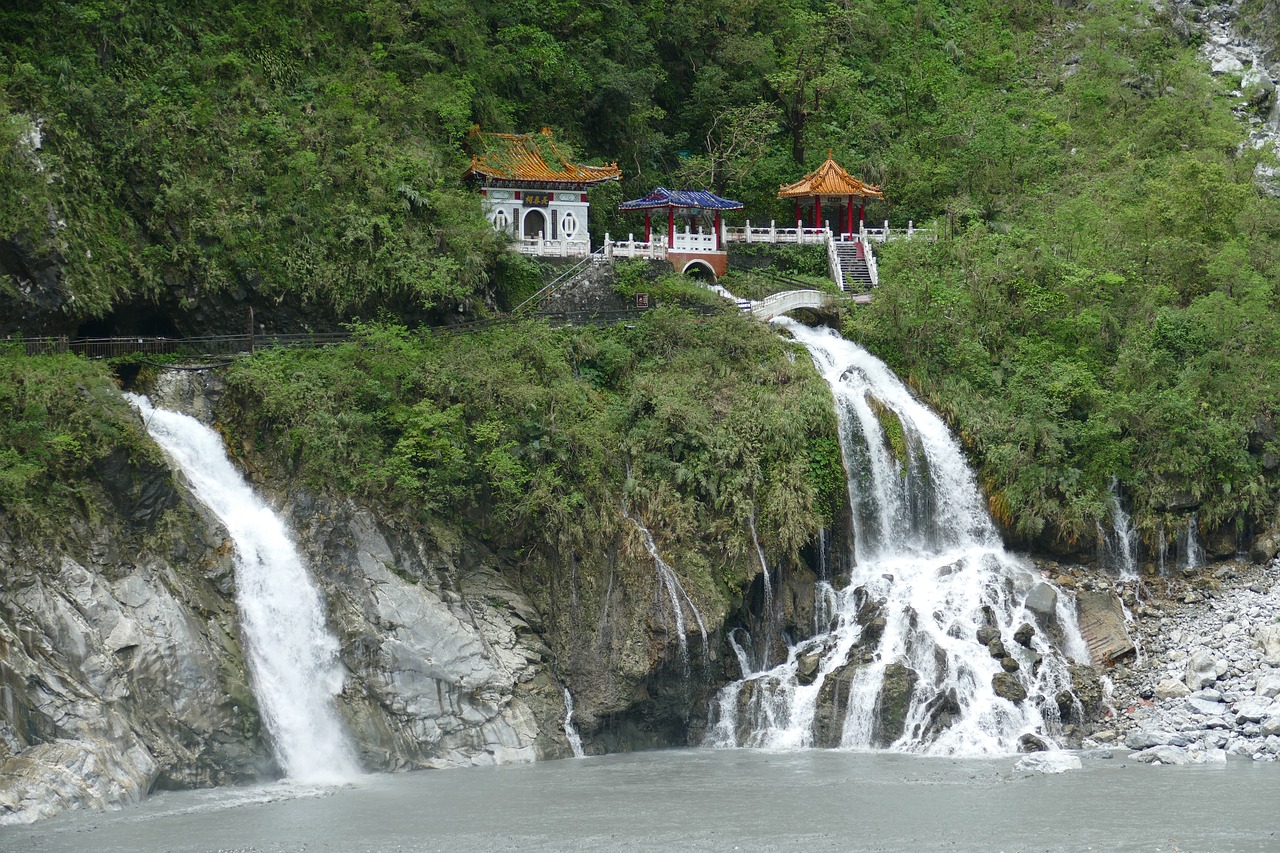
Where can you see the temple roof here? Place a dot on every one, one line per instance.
(663, 197)
(829, 179)
(530, 157)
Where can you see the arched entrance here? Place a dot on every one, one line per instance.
(535, 225)
(700, 270)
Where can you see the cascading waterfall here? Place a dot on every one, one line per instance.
(669, 583)
(1192, 556)
(293, 657)
(1119, 545)
(942, 642)
(571, 730)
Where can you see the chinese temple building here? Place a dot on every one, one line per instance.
(688, 250)
(533, 193)
(841, 192)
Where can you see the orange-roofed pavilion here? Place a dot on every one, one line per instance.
(842, 191)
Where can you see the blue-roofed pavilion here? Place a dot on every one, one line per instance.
(690, 203)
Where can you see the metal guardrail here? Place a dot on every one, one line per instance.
(228, 345)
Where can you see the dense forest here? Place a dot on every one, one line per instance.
(1100, 306)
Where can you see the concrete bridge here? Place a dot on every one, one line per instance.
(790, 300)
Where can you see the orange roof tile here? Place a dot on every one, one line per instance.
(531, 157)
(829, 179)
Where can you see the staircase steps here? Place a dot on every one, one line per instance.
(857, 275)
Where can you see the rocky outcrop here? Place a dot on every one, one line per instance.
(1204, 685)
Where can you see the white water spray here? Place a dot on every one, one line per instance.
(293, 657)
(930, 572)
(1119, 546)
(570, 730)
(670, 584)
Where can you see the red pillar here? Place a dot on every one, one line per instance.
(671, 227)
(719, 245)
(817, 211)
(648, 226)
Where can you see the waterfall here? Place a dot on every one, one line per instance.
(1118, 547)
(942, 643)
(293, 657)
(670, 584)
(1192, 556)
(570, 730)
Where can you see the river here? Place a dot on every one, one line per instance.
(705, 799)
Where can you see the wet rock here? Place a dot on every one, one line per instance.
(1048, 762)
(1042, 601)
(1024, 634)
(1087, 686)
(893, 703)
(1031, 743)
(1009, 664)
(996, 649)
(1164, 755)
(807, 667)
(1007, 686)
(987, 634)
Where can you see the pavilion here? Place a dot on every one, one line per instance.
(841, 190)
(688, 250)
(532, 192)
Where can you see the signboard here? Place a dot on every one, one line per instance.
(642, 300)
(537, 199)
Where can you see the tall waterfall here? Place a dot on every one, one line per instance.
(942, 643)
(293, 657)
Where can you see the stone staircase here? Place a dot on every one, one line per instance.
(853, 264)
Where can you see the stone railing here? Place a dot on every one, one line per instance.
(553, 248)
(774, 234)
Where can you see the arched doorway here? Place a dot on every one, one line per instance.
(701, 270)
(535, 225)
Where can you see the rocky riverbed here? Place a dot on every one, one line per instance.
(1205, 682)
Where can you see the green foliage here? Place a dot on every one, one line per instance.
(1126, 325)
(526, 434)
(63, 417)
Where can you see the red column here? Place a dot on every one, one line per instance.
(671, 228)
(648, 227)
(817, 211)
(719, 244)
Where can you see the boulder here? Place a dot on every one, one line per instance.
(1164, 755)
(1208, 707)
(807, 667)
(1271, 725)
(1042, 600)
(893, 703)
(1202, 669)
(1143, 740)
(1048, 762)
(1256, 709)
(1031, 743)
(1171, 688)
(995, 648)
(1007, 686)
(1009, 664)
(1268, 639)
(1023, 635)
(988, 634)
(1268, 686)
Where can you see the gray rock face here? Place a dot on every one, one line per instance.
(1042, 600)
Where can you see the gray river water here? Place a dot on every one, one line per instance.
(706, 799)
